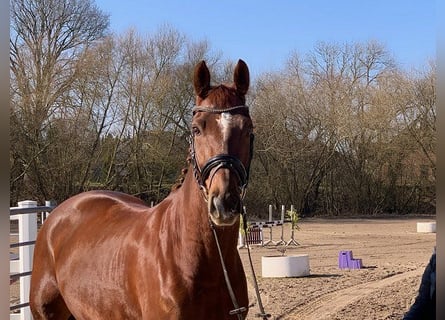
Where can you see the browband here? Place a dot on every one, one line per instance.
(214, 110)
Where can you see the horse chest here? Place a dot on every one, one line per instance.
(190, 291)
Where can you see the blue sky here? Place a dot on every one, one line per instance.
(264, 33)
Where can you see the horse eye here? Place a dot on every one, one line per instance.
(196, 131)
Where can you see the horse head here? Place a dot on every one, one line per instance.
(221, 142)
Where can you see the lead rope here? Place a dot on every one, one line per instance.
(262, 313)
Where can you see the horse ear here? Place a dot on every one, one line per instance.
(201, 79)
(241, 77)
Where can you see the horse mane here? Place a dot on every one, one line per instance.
(180, 179)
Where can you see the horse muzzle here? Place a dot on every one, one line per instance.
(227, 179)
(224, 209)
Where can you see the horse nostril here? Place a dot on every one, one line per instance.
(224, 203)
(216, 206)
(231, 201)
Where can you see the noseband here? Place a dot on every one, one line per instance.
(220, 161)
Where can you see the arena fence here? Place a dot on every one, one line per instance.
(20, 265)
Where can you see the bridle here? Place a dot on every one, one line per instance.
(202, 174)
(220, 161)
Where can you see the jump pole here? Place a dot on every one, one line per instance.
(269, 241)
(283, 209)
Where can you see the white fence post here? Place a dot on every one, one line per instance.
(46, 214)
(27, 232)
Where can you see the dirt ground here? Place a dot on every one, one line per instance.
(394, 257)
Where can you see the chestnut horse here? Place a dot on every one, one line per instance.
(107, 255)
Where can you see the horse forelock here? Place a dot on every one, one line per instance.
(222, 96)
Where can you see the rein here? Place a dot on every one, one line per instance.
(201, 174)
(237, 309)
(262, 313)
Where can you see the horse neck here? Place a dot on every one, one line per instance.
(192, 218)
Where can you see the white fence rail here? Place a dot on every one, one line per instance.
(21, 266)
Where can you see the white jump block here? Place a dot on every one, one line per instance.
(426, 227)
(285, 266)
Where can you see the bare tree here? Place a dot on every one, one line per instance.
(340, 131)
(412, 97)
(47, 38)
